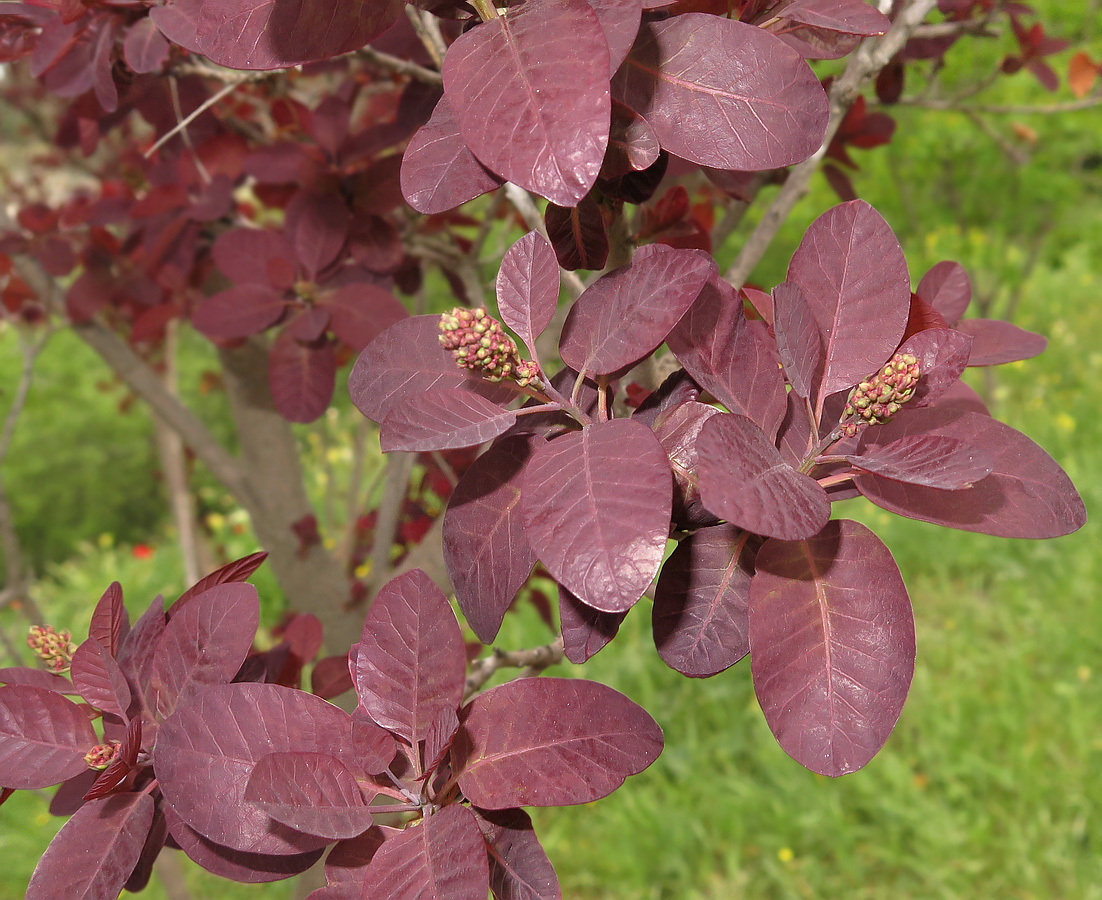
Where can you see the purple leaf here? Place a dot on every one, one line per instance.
(486, 550)
(225, 862)
(439, 739)
(38, 678)
(204, 644)
(832, 645)
(406, 360)
(301, 377)
(210, 744)
(929, 460)
(551, 742)
(578, 234)
(122, 765)
(596, 507)
(852, 272)
(677, 429)
(103, 80)
(1027, 495)
(715, 344)
(43, 737)
(145, 48)
(99, 679)
(273, 34)
(996, 342)
(585, 630)
(95, 851)
(745, 480)
(519, 869)
(439, 172)
(942, 355)
(846, 16)
(620, 23)
(798, 340)
(255, 256)
(317, 226)
(632, 143)
(238, 312)
(360, 312)
(443, 858)
(311, 792)
(139, 647)
(348, 860)
(947, 288)
(444, 419)
(548, 88)
(238, 570)
(528, 286)
(723, 94)
(701, 601)
(110, 621)
(626, 314)
(411, 662)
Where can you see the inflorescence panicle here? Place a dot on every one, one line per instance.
(55, 648)
(478, 342)
(877, 399)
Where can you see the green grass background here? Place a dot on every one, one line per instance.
(989, 786)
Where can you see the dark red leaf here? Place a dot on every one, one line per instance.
(273, 34)
(799, 343)
(928, 460)
(578, 234)
(445, 419)
(620, 23)
(317, 227)
(852, 272)
(238, 312)
(251, 256)
(348, 860)
(942, 355)
(626, 314)
(596, 507)
(123, 763)
(846, 16)
(677, 429)
(312, 792)
(238, 570)
(715, 344)
(519, 869)
(832, 645)
(95, 851)
(140, 645)
(439, 739)
(486, 550)
(438, 171)
(947, 288)
(1027, 495)
(43, 737)
(204, 643)
(724, 94)
(331, 677)
(38, 678)
(411, 662)
(301, 377)
(407, 360)
(209, 746)
(145, 48)
(632, 143)
(701, 601)
(376, 244)
(996, 342)
(528, 286)
(99, 679)
(548, 88)
(551, 742)
(103, 81)
(745, 480)
(443, 858)
(585, 630)
(361, 311)
(308, 325)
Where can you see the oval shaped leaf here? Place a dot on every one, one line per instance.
(43, 737)
(144, 48)
(724, 94)
(854, 277)
(110, 620)
(301, 377)
(701, 602)
(528, 286)
(745, 480)
(406, 360)
(486, 550)
(99, 679)
(995, 342)
(411, 661)
(312, 792)
(799, 343)
(548, 89)
(444, 419)
(443, 858)
(237, 570)
(927, 459)
(551, 742)
(832, 645)
(519, 869)
(578, 234)
(95, 851)
(948, 289)
(626, 314)
(596, 507)
(585, 630)
(238, 312)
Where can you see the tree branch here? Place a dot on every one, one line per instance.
(400, 66)
(533, 662)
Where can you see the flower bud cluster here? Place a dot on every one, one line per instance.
(55, 648)
(478, 342)
(880, 397)
(102, 755)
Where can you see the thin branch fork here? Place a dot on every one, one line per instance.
(533, 661)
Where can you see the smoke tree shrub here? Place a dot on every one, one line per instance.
(308, 214)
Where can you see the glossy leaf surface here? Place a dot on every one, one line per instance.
(585, 630)
(99, 679)
(551, 742)
(528, 286)
(927, 459)
(832, 645)
(596, 508)
(43, 737)
(519, 869)
(948, 289)
(444, 419)
(578, 235)
(798, 340)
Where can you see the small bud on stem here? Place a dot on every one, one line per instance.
(478, 342)
(880, 397)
